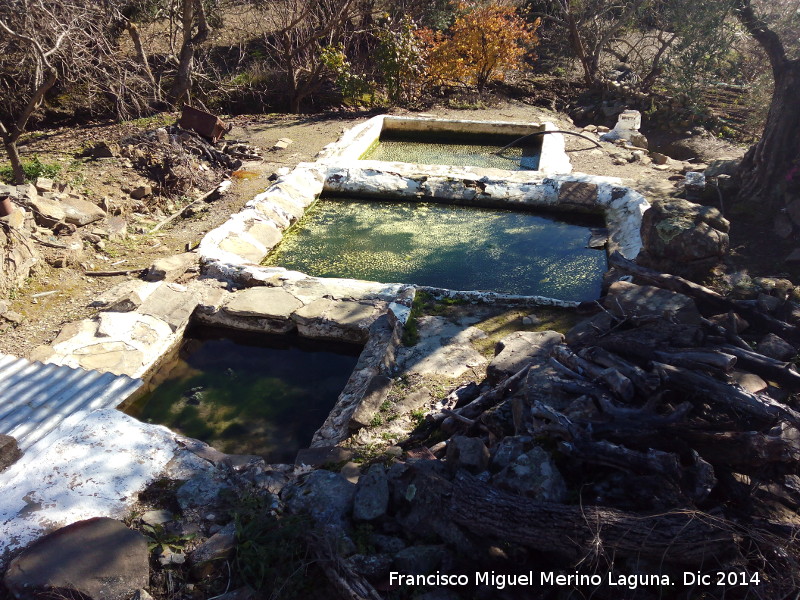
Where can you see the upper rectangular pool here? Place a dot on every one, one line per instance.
(497, 151)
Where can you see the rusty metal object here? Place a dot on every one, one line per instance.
(6, 207)
(206, 124)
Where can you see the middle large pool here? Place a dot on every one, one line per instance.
(446, 246)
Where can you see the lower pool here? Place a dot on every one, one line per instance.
(442, 245)
(248, 393)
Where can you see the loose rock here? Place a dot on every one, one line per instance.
(776, 347)
(372, 495)
(99, 557)
(468, 453)
(9, 451)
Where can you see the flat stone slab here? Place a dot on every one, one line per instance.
(171, 267)
(46, 211)
(80, 212)
(240, 246)
(262, 302)
(643, 302)
(126, 296)
(291, 206)
(516, 350)
(122, 343)
(265, 233)
(444, 348)
(99, 557)
(273, 213)
(337, 320)
(171, 303)
(376, 392)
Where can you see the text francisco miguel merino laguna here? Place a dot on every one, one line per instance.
(549, 578)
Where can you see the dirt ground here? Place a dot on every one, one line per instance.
(110, 178)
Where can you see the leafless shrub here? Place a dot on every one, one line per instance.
(44, 43)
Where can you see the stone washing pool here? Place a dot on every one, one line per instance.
(248, 393)
(446, 246)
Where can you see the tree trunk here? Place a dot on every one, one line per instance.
(578, 47)
(141, 56)
(679, 536)
(192, 12)
(10, 145)
(12, 134)
(770, 171)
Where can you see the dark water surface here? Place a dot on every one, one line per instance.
(249, 393)
(455, 247)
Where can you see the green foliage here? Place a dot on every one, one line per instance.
(702, 52)
(157, 120)
(159, 539)
(356, 90)
(401, 60)
(272, 554)
(33, 168)
(410, 335)
(418, 416)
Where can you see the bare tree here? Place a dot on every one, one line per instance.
(590, 26)
(35, 49)
(44, 43)
(302, 28)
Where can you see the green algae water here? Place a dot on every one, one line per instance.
(248, 393)
(455, 247)
(476, 151)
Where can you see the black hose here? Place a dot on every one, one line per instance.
(580, 135)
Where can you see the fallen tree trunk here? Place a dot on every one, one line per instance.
(644, 382)
(621, 386)
(485, 401)
(702, 358)
(693, 383)
(664, 464)
(744, 451)
(702, 294)
(683, 537)
(763, 366)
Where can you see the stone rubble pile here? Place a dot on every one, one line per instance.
(58, 221)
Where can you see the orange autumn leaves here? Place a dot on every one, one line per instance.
(485, 42)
